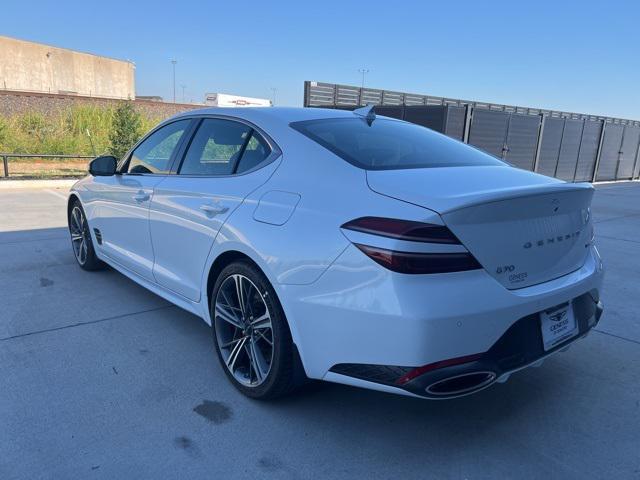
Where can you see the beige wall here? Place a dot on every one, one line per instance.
(36, 67)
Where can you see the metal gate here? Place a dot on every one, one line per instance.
(589, 144)
(447, 119)
(511, 136)
(610, 152)
(455, 122)
(628, 152)
(489, 131)
(429, 117)
(522, 140)
(550, 145)
(569, 149)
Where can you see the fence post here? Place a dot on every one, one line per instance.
(536, 159)
(597, 165)
(467, 122)
(5, 162)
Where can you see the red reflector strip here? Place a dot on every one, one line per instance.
(420, 263)
(416, 372)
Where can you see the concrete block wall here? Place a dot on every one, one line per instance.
(15, 103)
(29, 66)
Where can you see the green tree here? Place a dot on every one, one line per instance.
(125, 129)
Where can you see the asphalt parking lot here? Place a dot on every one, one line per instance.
(101, 379)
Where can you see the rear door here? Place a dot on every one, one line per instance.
(224, 162)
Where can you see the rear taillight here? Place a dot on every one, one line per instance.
(403, 230)
(419, 262)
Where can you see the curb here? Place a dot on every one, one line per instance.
(20, 184)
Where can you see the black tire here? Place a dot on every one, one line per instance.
(284, 366)
(81, 242)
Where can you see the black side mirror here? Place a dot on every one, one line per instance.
(103, 166)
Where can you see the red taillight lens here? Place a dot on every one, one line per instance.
(403, 230)
(416, 372)
(410, 231)
(420, 263)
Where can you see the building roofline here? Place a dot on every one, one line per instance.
(69, 49)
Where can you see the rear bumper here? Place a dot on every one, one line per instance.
(519, 347)
(359, 313)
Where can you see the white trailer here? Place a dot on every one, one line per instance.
(226, 100)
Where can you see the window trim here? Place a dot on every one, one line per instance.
(124, 162)
(276, 152)
(234, 170)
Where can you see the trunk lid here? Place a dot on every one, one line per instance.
(522, 227)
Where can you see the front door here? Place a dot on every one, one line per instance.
(226, 161)
(121, 205)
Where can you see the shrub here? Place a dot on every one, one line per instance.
(125, 129)
(4, 131)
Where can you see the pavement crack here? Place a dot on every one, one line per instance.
(31, 240)
(90, 322)
(616, 238)
(637, 342)
(598, 222)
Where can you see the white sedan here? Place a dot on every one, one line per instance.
(346, 247)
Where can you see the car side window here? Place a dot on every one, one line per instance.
(215, 148)
(256, 151)
(154, 154)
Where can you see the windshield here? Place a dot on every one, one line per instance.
(390, 144)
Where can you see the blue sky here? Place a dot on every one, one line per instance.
(580, 56)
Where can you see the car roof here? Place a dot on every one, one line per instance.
(270, 114)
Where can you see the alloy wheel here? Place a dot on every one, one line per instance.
(243, 330)
(80, 236)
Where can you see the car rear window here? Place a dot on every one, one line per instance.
(388, 144)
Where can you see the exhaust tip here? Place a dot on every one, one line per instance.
(461, 384)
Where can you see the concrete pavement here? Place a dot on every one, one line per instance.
(102, 379)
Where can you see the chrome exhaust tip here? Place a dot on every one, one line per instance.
(461, 384)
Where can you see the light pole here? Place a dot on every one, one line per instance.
(363, 72)
(173, 62)
(183, 88)
(274, 90)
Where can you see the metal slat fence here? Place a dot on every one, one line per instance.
(568, 145)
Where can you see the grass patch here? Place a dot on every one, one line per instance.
(78, 130)
(27, 168)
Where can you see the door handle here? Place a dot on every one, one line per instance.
(141, 196)
(213, 208)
